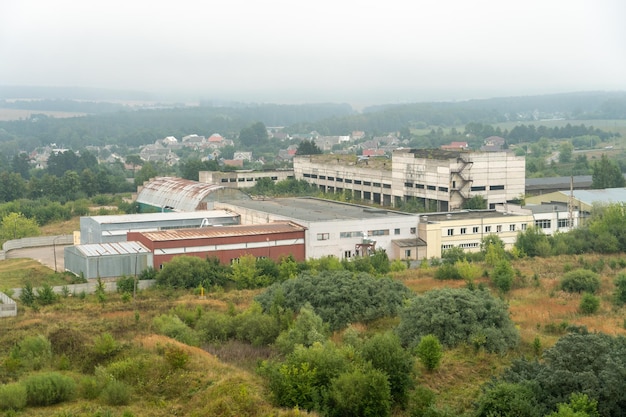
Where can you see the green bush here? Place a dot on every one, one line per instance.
(126, 284)
(12, 397)
(116, 393)
(447, 271)
(88, 388)
(27, 297)
(386, 354)
(503, 276)
(305, 376)
(362, 392)
(45, 295)
(49, 388)
(429, 351)
(508, 399)
(589, 304)
(171, 326)
(307, 329)
(35, 352)
(620, 289)
(338, 297)
(215, 327)
(458, 316)
(255, 327)
(176, 357)
(580, 280)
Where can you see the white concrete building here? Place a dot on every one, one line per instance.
(440, 180)
(339, 229)
(242, 178)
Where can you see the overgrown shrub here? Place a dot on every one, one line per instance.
(255, 327)
(34, 352)
(361, 392)
(589, 304)
(46, 295)
(176, 357)
(447, 271)
(508, 399)
(593, 363)
(12, 397)
(27, 297)
(171, 326)
(387, 355)
(307, 329)
(49, 388)
(88, 388)
(429, 351)
(214, 326)
(580, 280)
(67, 341)
(620, 289)
(116, 393)
(338, 297)
(458, 316)
(126, 284)
(503, 276)
(305, 375)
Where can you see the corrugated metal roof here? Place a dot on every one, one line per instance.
(150, 217)
(607, 195)
(177, 193)
(118, 248)
(223, 231)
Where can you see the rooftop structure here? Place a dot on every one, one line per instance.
(177, 194)
(108, 229)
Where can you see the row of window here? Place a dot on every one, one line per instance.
(461, 245)
(488, 229)
(348, 235)
(347, 180)
(547, 224)
(250, 179)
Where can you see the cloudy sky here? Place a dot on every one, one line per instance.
(317, 50)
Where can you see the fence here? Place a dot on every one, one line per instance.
(8, 307)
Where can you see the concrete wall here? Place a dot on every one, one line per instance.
(8, 307)
(90, 287)
(33, 242)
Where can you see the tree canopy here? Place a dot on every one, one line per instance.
(458, 316)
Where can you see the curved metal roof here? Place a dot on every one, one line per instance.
(176, 193)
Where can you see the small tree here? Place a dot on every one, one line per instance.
(429, 351)
(580, 280)
(362, 392)
(620, 289)
(589, 304)
(503, 275)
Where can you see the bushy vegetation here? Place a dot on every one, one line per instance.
(589, 304)
(457, 316)
(580, 280)
(12, 397)
(590, 363)
(338, 297)
(49, 388)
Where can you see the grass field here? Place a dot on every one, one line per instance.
(15, 273)
(18, 114)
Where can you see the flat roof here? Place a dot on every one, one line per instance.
(117, 248)
(343, 160)
(312, 209)
(223, 231)
(155, 217)
(465, 214)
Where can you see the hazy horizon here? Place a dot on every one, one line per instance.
(360, 53)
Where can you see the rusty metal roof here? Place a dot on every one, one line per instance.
(118, 248)
(175, 193)
(224, 231)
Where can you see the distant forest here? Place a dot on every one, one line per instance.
(114, 124)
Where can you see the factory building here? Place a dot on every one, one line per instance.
(272, 240)
(337, 229)
(243, 178)
(439, 180)
(109, 229)
(107, 260)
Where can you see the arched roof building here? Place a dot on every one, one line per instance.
(177, 194)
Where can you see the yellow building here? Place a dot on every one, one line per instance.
(466, 229)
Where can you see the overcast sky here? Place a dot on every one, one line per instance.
(317, 50)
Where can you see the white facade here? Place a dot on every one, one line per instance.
(440, 180)
(333, 228)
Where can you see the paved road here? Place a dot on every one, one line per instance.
(43, 254)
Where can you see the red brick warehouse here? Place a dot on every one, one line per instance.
(272, 240)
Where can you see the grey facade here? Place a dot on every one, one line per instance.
(109, 229)
(107, 260)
